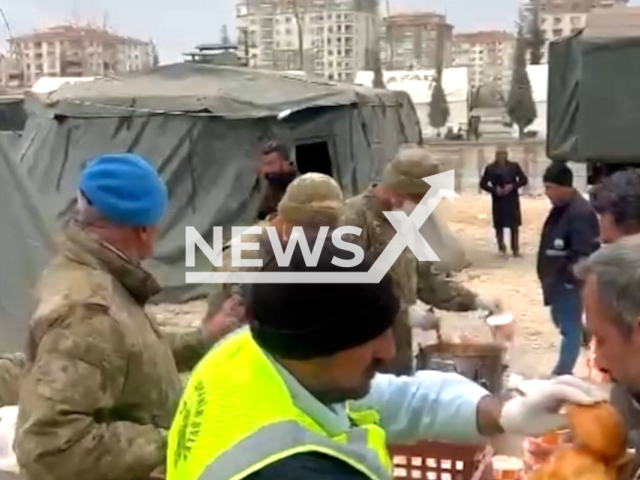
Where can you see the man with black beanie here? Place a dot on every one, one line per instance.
(296, 395)
(570, 233)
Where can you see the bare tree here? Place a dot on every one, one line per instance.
(298, 13)
(535, 37)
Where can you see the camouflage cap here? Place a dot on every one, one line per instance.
(312, 199)
(404, 174)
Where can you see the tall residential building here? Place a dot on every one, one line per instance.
(79, 51)
(488, 55)
(413, 41)
(559, 18)
(331, 38)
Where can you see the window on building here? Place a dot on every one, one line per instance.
(557, 32)
(557, 20)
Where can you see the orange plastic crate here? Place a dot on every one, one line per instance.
(441, 461)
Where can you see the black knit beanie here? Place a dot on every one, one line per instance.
(558, 173)
(302, 321)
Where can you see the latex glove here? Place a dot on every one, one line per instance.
(492, 305)
(8, 417)
(537, 412)
(422, 317)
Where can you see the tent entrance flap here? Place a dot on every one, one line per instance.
(314, 157)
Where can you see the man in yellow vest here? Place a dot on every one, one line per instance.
(295, 396)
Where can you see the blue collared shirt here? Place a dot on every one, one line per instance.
(428, 406)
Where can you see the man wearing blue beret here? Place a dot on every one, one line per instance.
(101, 383)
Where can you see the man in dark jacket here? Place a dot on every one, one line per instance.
(502, 178)
(570, 233)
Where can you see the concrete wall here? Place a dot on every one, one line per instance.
(470, 158)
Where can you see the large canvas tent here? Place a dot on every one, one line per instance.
(26, 247)
(593, 95)
(201, 125)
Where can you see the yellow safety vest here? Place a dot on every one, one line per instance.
(237, 416)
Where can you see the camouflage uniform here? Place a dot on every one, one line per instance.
(101, 385)
(223, 291)
(437, 290)
(11, 367)
(363, 211)
(311, 201)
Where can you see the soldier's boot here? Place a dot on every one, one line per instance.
(515, 242)
(500, 239)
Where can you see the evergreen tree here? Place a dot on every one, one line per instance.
(155, 57)
(520, 104)
(438, 106)
(224, 36)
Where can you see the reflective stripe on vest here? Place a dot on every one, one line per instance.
(237, 415)
(283, 439)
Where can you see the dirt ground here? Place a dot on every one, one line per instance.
(513, 280)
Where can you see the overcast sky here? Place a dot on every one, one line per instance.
(177, 25)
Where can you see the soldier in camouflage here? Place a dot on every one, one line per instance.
(275, 171)
(11, 367)
(402, 188)
(101, 382)
(312, 201)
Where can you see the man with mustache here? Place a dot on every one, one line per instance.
(296, 395)
(275, 173)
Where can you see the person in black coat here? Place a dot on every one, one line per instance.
(570, 233)
(502, 179)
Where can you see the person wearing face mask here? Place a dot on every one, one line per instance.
(277, 171)
(311, 201)
(570, 234)
(417, 286)
(101, 382)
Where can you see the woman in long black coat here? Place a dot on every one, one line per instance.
(502, 179)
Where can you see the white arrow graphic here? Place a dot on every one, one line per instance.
(442, 186)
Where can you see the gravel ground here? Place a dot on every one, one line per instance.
(514, 280)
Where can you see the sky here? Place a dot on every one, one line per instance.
(177, 26)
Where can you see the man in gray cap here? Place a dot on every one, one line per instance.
(402, 188)
(101, 383)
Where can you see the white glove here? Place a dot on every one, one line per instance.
(8, 417)
(537, 413)
(421, 317)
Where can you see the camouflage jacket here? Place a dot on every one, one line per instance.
(11, 367)
(439, 291)
(101, 384)
(222, 291)
(362, 211)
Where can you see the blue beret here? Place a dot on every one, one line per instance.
(125, 189)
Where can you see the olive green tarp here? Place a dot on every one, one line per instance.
(594, 94)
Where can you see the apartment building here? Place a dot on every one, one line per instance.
(331, 38)
(415, 41)
(559, 18)
(488, 56)
(79, 51)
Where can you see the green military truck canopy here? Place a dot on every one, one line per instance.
(593, 111)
